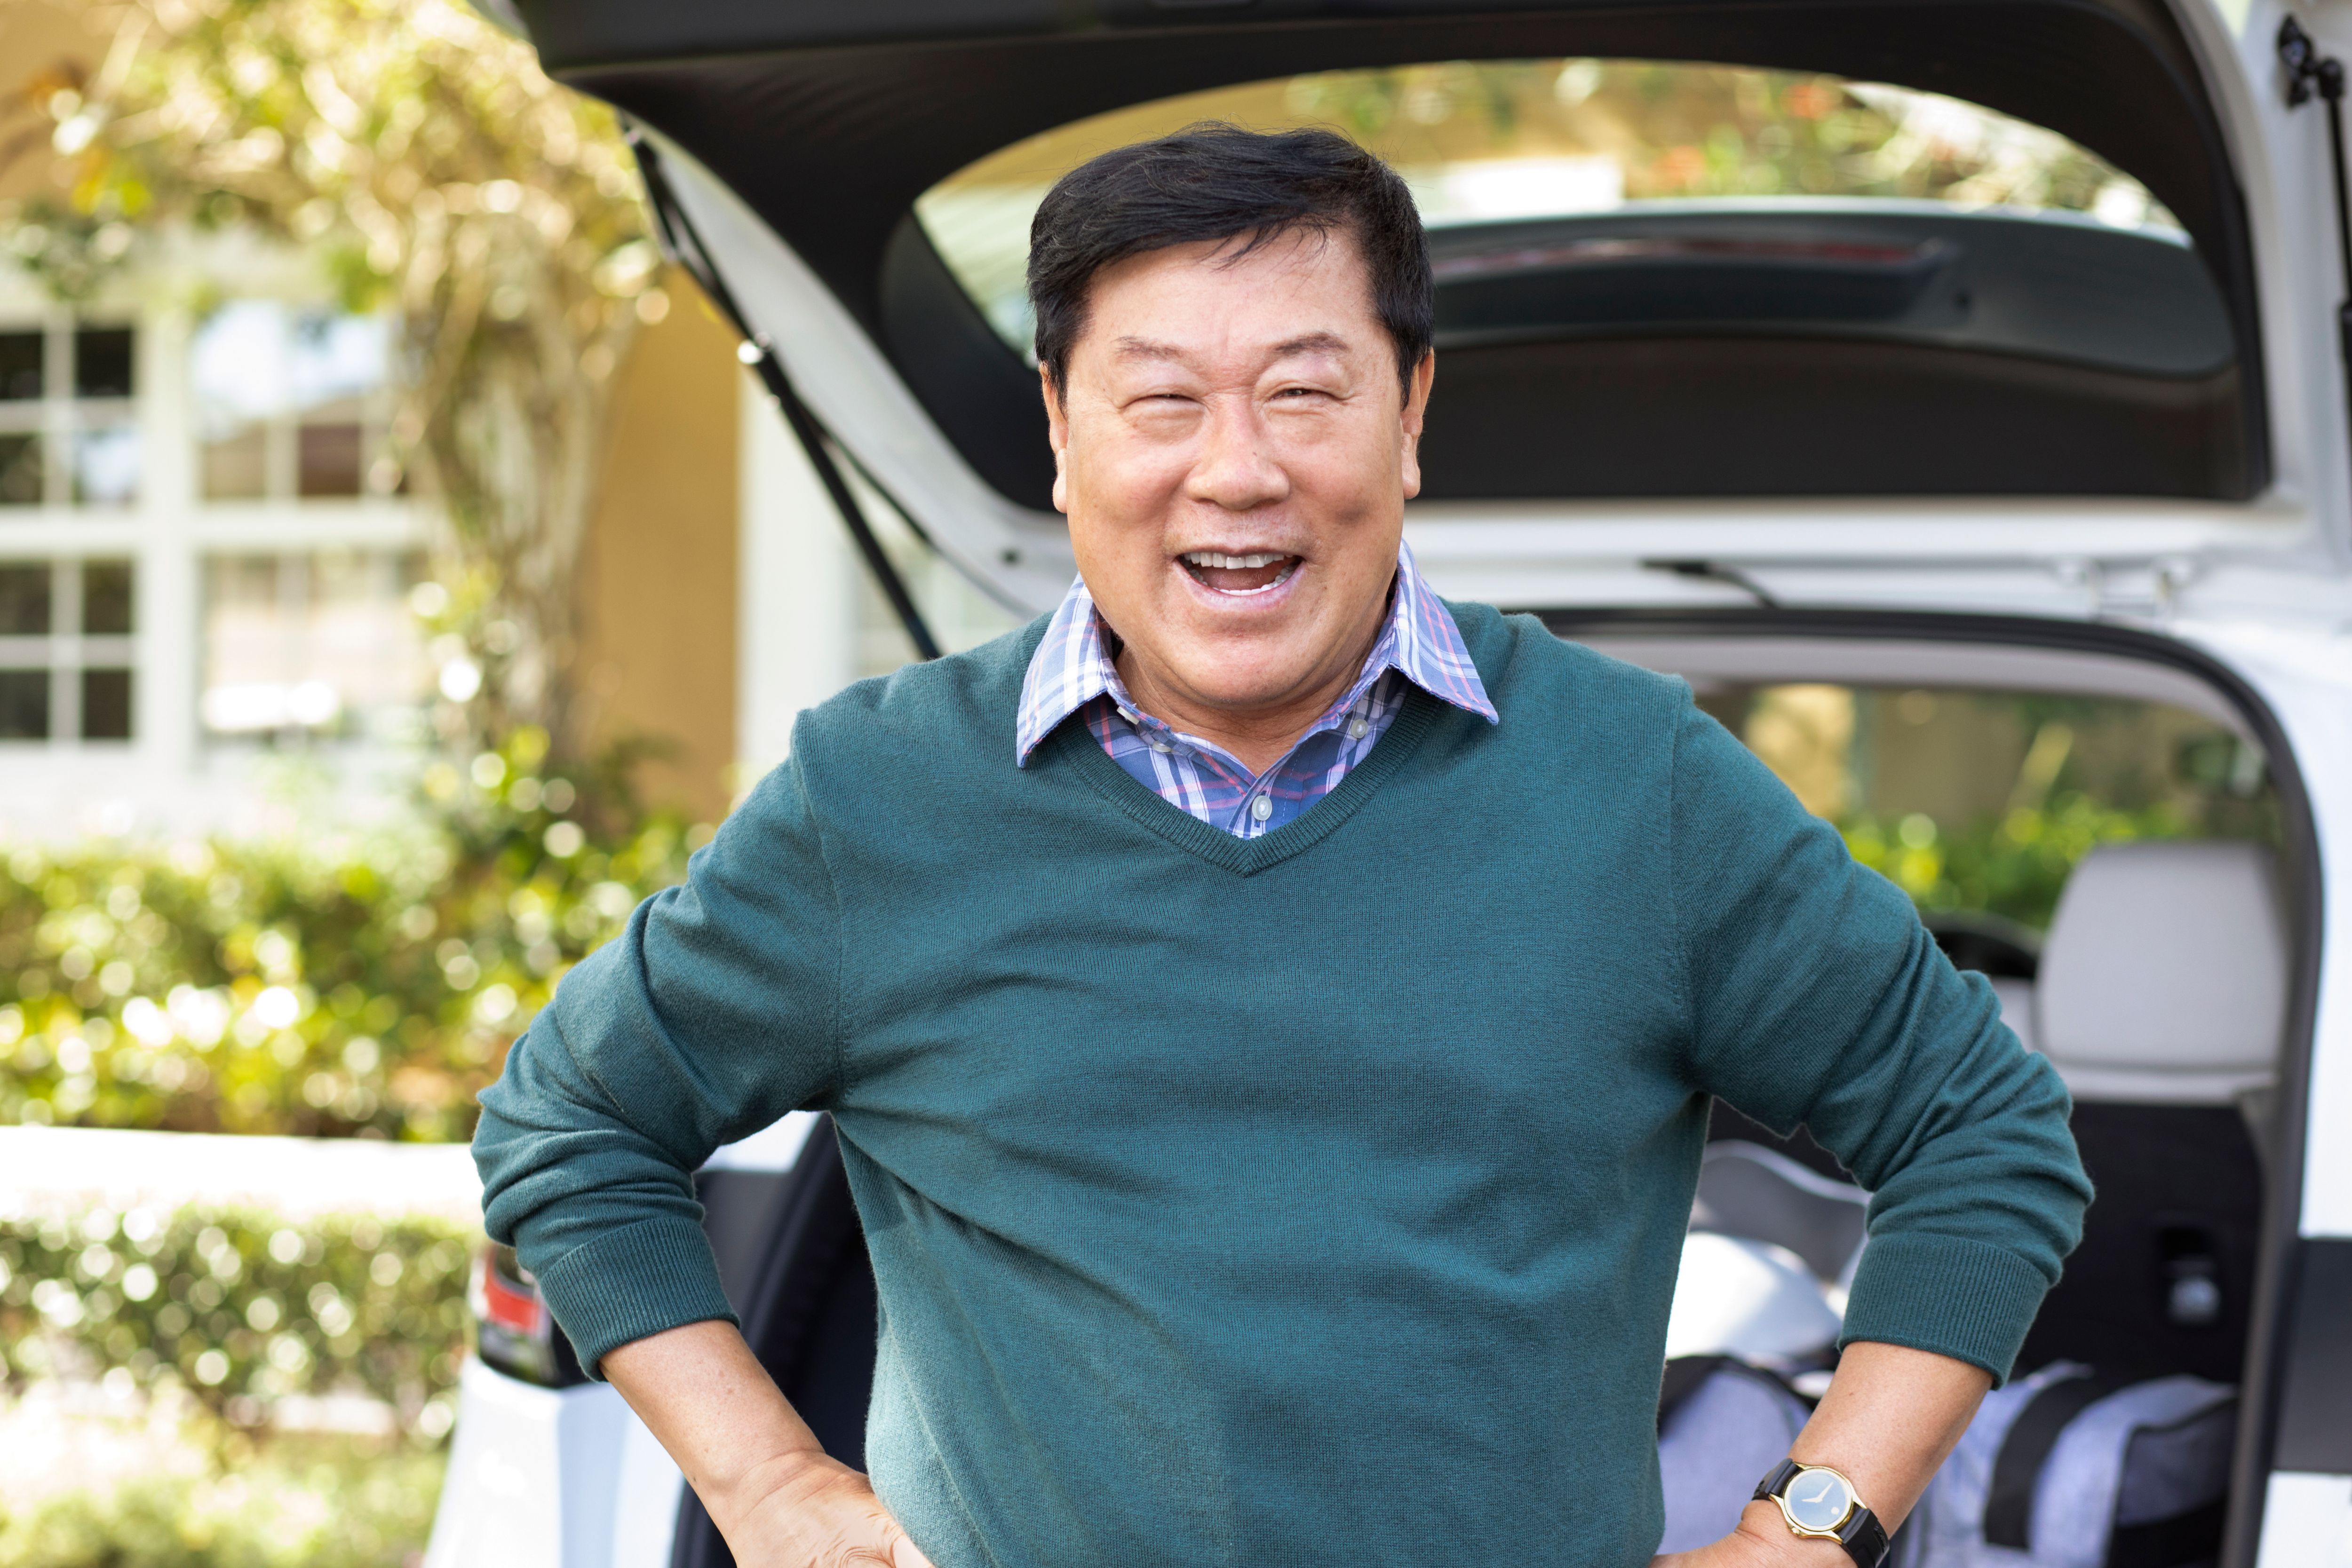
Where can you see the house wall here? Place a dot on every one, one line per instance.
(657, 584)
(39, 40)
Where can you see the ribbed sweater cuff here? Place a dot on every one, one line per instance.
(1967, 1300)
(645, 1278)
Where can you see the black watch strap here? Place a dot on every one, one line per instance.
(1864, 1538)
(1775, 1479)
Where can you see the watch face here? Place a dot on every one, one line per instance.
(1819, 1499)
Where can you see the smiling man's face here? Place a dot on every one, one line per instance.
(1234, 452)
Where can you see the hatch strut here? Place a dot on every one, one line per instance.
(684, 245)
(2309, 74)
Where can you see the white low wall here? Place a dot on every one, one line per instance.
(293, 1175)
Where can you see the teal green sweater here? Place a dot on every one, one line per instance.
(1315, 1199)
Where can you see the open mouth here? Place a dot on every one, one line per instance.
(1239, 574)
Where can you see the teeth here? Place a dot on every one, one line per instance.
(1209, 558)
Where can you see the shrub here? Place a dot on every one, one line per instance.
(336, 984)
(331, 1501)
(238, 1307)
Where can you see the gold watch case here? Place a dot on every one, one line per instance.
(1813, 1513)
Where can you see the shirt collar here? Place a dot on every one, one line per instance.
(1071, 665)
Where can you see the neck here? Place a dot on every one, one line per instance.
(1258, 735)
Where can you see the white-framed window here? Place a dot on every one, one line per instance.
(315, 645)
(204, 552)
(68, 415)
(66, 661)
(291, 402)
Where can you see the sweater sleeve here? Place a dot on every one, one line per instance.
(714, 1013)
(1816, 998)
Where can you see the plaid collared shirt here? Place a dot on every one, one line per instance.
(1072, 675)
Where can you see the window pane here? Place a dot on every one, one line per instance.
(106, 598)
(25, 600)
(237, 363)
(331, 357)
(20, 470)
(102, 361)
(322, 643)
(20, 365)
(1497, 140)
(236, 465)
(106, 705)
(106, 467)
(330, 459)
(1978, 803)
(24, 704)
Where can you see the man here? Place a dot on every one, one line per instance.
(1270, 1013)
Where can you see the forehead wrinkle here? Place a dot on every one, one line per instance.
(1134, 347)
(1311, 343)
(1129, 347)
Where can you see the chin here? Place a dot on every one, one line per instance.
(1240, 671)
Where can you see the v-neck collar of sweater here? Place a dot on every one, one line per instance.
(1246, 857)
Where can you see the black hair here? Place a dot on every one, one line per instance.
(1218, 181)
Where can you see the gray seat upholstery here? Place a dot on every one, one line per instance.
(2163, 978)
(2161, 1001)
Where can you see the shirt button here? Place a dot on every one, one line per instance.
(1358, 728)
(1161, 747)
(1261, 808)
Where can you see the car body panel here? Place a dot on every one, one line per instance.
(551, 1478)
(2308, 1521)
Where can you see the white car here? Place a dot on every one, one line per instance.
(2003, 356)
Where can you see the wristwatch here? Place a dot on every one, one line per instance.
(1820, 1502)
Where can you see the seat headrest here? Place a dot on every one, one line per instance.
(2163, 978)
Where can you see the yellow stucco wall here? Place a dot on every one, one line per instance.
(43, 47)
(657, 586)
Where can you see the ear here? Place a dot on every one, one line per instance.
(1058, 436)
(1416, 411)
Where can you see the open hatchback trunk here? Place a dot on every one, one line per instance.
(1948, 350)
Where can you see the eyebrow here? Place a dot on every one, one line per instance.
(1133, 347)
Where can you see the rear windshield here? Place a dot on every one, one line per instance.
(1978, 804)
(1489, 143)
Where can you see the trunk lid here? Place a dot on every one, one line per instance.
(2113, 398)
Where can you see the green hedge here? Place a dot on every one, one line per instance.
(323, 984)
(320, 1501)
(238, 1306)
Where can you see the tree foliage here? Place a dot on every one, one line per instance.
(438, 172)
(325, 984)
(1684, 131)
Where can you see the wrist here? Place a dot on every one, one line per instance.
(790, 1482)
(1772, 1544)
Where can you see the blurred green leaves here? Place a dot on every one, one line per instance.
(2011, 866)
(239, 1308)
(280, 1505)
(333, 983)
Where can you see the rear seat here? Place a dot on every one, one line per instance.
(2161, 1001)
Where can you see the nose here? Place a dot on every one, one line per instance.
(1237, 469)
